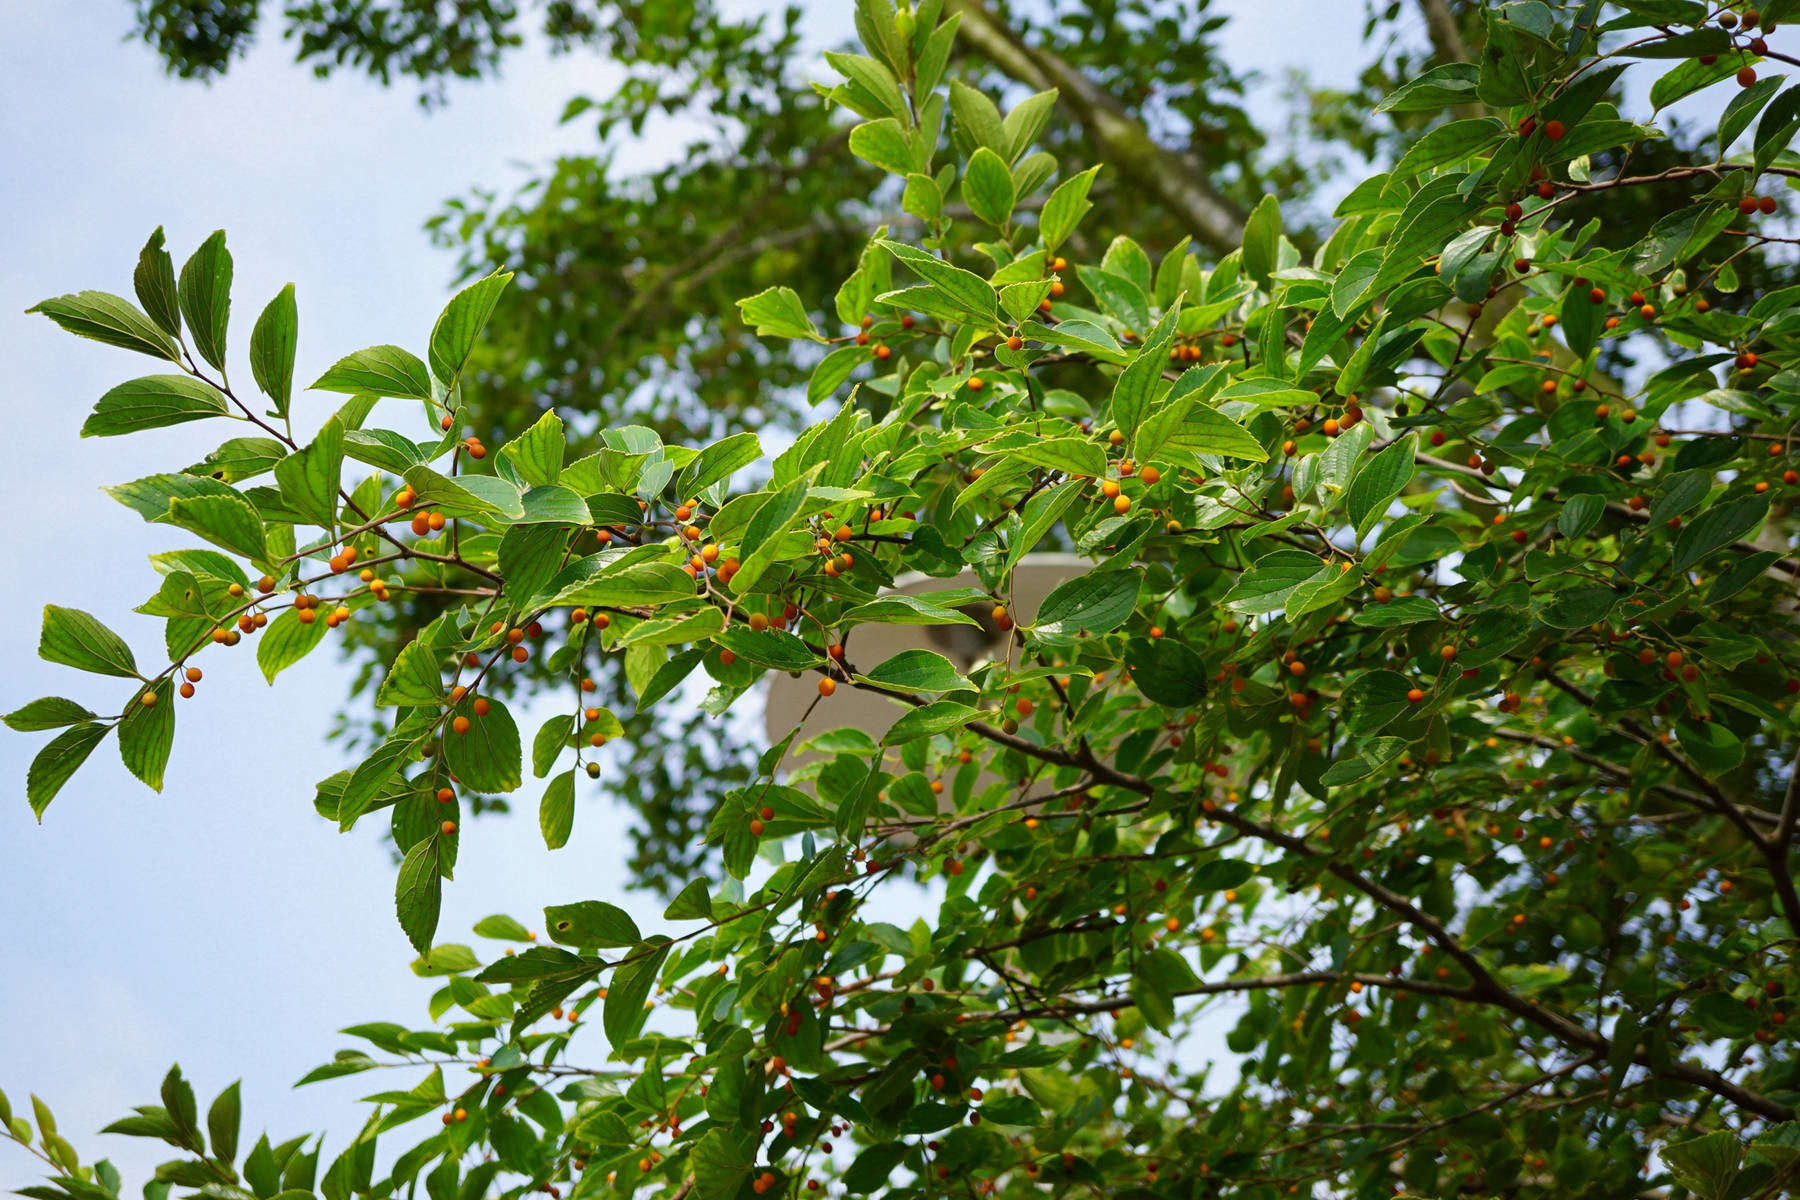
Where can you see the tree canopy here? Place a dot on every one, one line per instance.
(1423, 710)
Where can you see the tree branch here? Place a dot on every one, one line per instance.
(1171, 180)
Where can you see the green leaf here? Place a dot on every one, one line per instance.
(1354, 281)
(222, 1121)
(1575, 607)
(645, 583)
(110, 319)
(763, 535)
(1439, 88)
(900, 609)
(147, 734)
(483, 497)
(630, 987)
(987, 187)
(776, 648)
(378, 371)
(917, 671)
(1578, 514)
(530, 556)
(719, 462)
(1262, 239)
(273, 342)
(680, 629)
(206, 297)
(556, 811)
(874, 1168)
(551, 504)
(1374, 700)
(1136, 390)
(501, 928)
(229, 522)
(1378, 753)
(1717, 528)
(1025, 121)
(76, 639)
(152, 403)
(178, 1102)
(1208, 431)
(1742, 108)
(1167, 671)
(930, 720)
(414, 680)
(1691, 76)
(285, 642)
(778, 312)
(461, 323)
(1378, 484)
(154, 282)
(418, 892)
(309, 478)
(971, 295)
(59, 760)
(52, 712)
(1449, 143)
(373, 777)
(1266, 586)
(591, 925)
(1065, 208)
(488, 757)
(1713, 748)
(1094, 603)
(1780, 121)
(1707, 1165)
(720, 1164)
(237, 459)
(885, 144)
(693, 903)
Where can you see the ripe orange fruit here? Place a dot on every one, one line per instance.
(827, 687)
(448, 828)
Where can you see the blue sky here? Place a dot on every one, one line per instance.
(223, 923)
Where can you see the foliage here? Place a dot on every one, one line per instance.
(1426, 710)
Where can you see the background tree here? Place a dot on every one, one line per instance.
(1429, 698)
(633, 277)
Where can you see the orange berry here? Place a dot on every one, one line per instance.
(448, 827)
(827, 687)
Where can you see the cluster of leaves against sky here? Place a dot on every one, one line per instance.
(1424, 713)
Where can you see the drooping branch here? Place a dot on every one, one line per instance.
(1171, 180)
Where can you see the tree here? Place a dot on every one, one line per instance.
(1427, 708)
